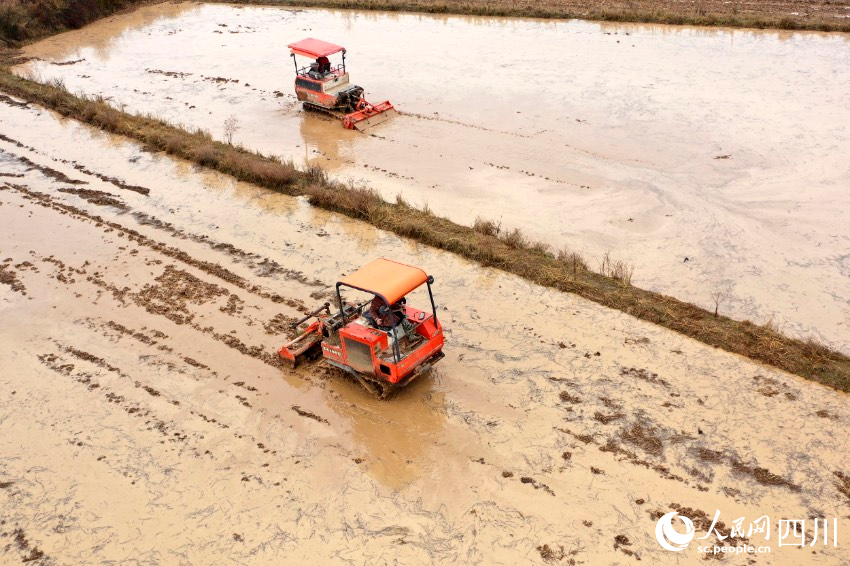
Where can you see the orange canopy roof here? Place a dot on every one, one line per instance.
(385, 277)
(314, 48)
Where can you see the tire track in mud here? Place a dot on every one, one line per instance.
(150, 458)
(242, 400)
(168, 429)
(615, 449)
(213, 269)
(112, 180)
(176, 283)
(46, 171)
(140, 336)
(265, 267)
(174, 287)
(100, 198)
(602, 418)
(92, 382)
(437, 118)
(61, 177)
(168, 298)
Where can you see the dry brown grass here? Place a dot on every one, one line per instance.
(573, 261)
(616, 269)
(484, 242)
(515, 239)
(22, 21)
(779, 14)
(486, 227)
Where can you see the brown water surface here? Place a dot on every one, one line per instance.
(714, 161)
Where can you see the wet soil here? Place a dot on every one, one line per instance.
(10, 278)
(651, 143)
(142, 398)
(97, 197)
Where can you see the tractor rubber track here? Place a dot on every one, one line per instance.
(338, 114)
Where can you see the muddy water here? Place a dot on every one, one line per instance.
(140, 398)
(714, 161)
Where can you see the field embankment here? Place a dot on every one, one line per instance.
(22, 21)
(785, 14)
(483, 242)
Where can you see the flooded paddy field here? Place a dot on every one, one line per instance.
(712, 160)
(144, 415)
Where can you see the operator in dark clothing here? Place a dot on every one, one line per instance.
(381, 315)
(387, 318)
(324, 64)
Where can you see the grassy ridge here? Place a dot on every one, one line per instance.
(783, 14)
(482, 243)
(26, 20)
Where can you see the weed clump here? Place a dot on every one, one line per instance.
(616, 269)
(572, 261)
(486, 227)
(515, 239)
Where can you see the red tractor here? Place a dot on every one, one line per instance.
(383, 343)
(324, 87)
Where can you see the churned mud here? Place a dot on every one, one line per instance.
(697, 155)
(144, 414)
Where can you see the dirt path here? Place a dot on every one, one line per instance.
(695, 155)
(143, 414)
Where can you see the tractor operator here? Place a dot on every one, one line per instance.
(324, 65)
(319, 68)
(389, 318)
